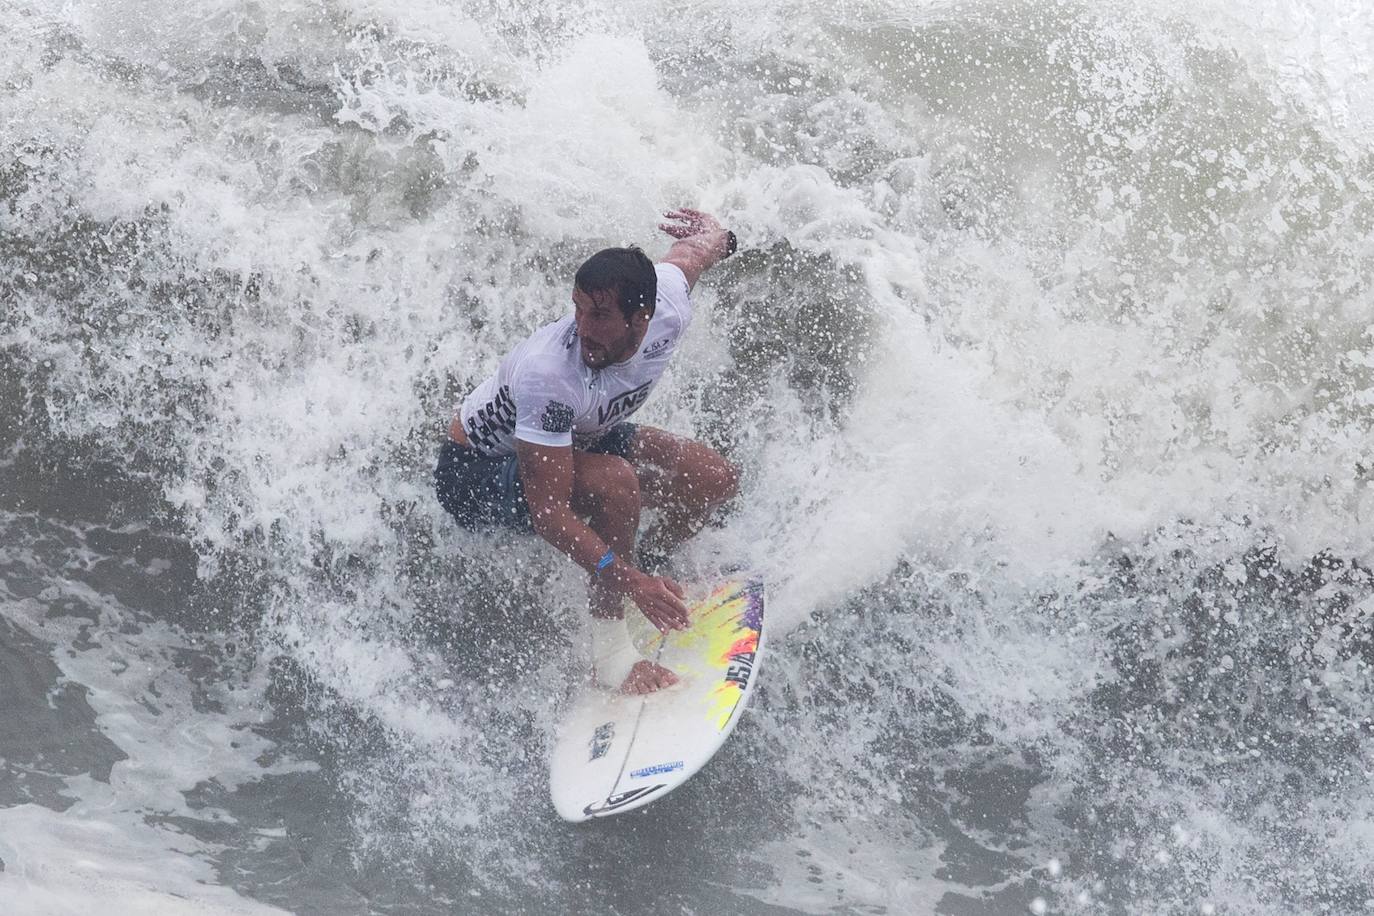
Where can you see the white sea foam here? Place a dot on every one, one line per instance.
(1034, 288)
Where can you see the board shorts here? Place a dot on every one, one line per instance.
(485, 492)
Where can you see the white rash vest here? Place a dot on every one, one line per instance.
(543, 393)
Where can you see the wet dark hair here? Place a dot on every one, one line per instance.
(626, 271)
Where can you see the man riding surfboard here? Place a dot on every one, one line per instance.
(544, 445)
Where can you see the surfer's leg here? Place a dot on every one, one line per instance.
(606, 492)
(684, 480)
(480, 491)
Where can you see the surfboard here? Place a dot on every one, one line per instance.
(615, 753)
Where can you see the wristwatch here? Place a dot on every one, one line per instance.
(731, 243)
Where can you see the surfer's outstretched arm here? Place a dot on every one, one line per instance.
(559, 485)
(701, 241)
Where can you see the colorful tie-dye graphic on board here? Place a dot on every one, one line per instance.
(730, 623)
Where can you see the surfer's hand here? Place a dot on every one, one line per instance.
(660, 599)
(688, 223)
(701, 242)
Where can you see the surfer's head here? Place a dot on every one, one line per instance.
(626, 272)
(613, 295)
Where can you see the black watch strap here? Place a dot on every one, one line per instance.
(731, 243)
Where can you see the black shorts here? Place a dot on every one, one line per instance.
(482, 492)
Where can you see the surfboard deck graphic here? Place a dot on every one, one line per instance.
(615, 753)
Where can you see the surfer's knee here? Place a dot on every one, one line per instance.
(621, 487)
(609, 482)
(727, 479)
(715, 479)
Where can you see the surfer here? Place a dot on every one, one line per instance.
(544, 443)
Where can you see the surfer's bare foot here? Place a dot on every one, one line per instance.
(646, 677)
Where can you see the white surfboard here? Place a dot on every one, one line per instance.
(615, 752)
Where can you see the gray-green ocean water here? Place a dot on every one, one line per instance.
(1048, 360)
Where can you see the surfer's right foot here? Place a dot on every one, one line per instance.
(646, 677)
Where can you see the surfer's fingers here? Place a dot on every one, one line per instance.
(674, 587)
(660, 619)
(694, 220)
(675, 610)
(670, 619)
(700, 220)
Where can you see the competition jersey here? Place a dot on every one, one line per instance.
(543, 393)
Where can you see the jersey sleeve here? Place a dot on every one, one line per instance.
(673, 292)
(545, 402)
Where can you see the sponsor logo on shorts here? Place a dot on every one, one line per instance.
(657, 769)
(601, 740)
(623, 404)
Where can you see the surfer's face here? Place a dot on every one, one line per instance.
(605, 336)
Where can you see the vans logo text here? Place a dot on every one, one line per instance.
(624, 404)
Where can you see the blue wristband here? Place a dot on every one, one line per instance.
(605, 562)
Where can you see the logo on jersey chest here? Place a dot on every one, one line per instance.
(557, 418)
(623, 404)
(658, 349)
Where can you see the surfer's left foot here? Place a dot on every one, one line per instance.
(646, 677)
